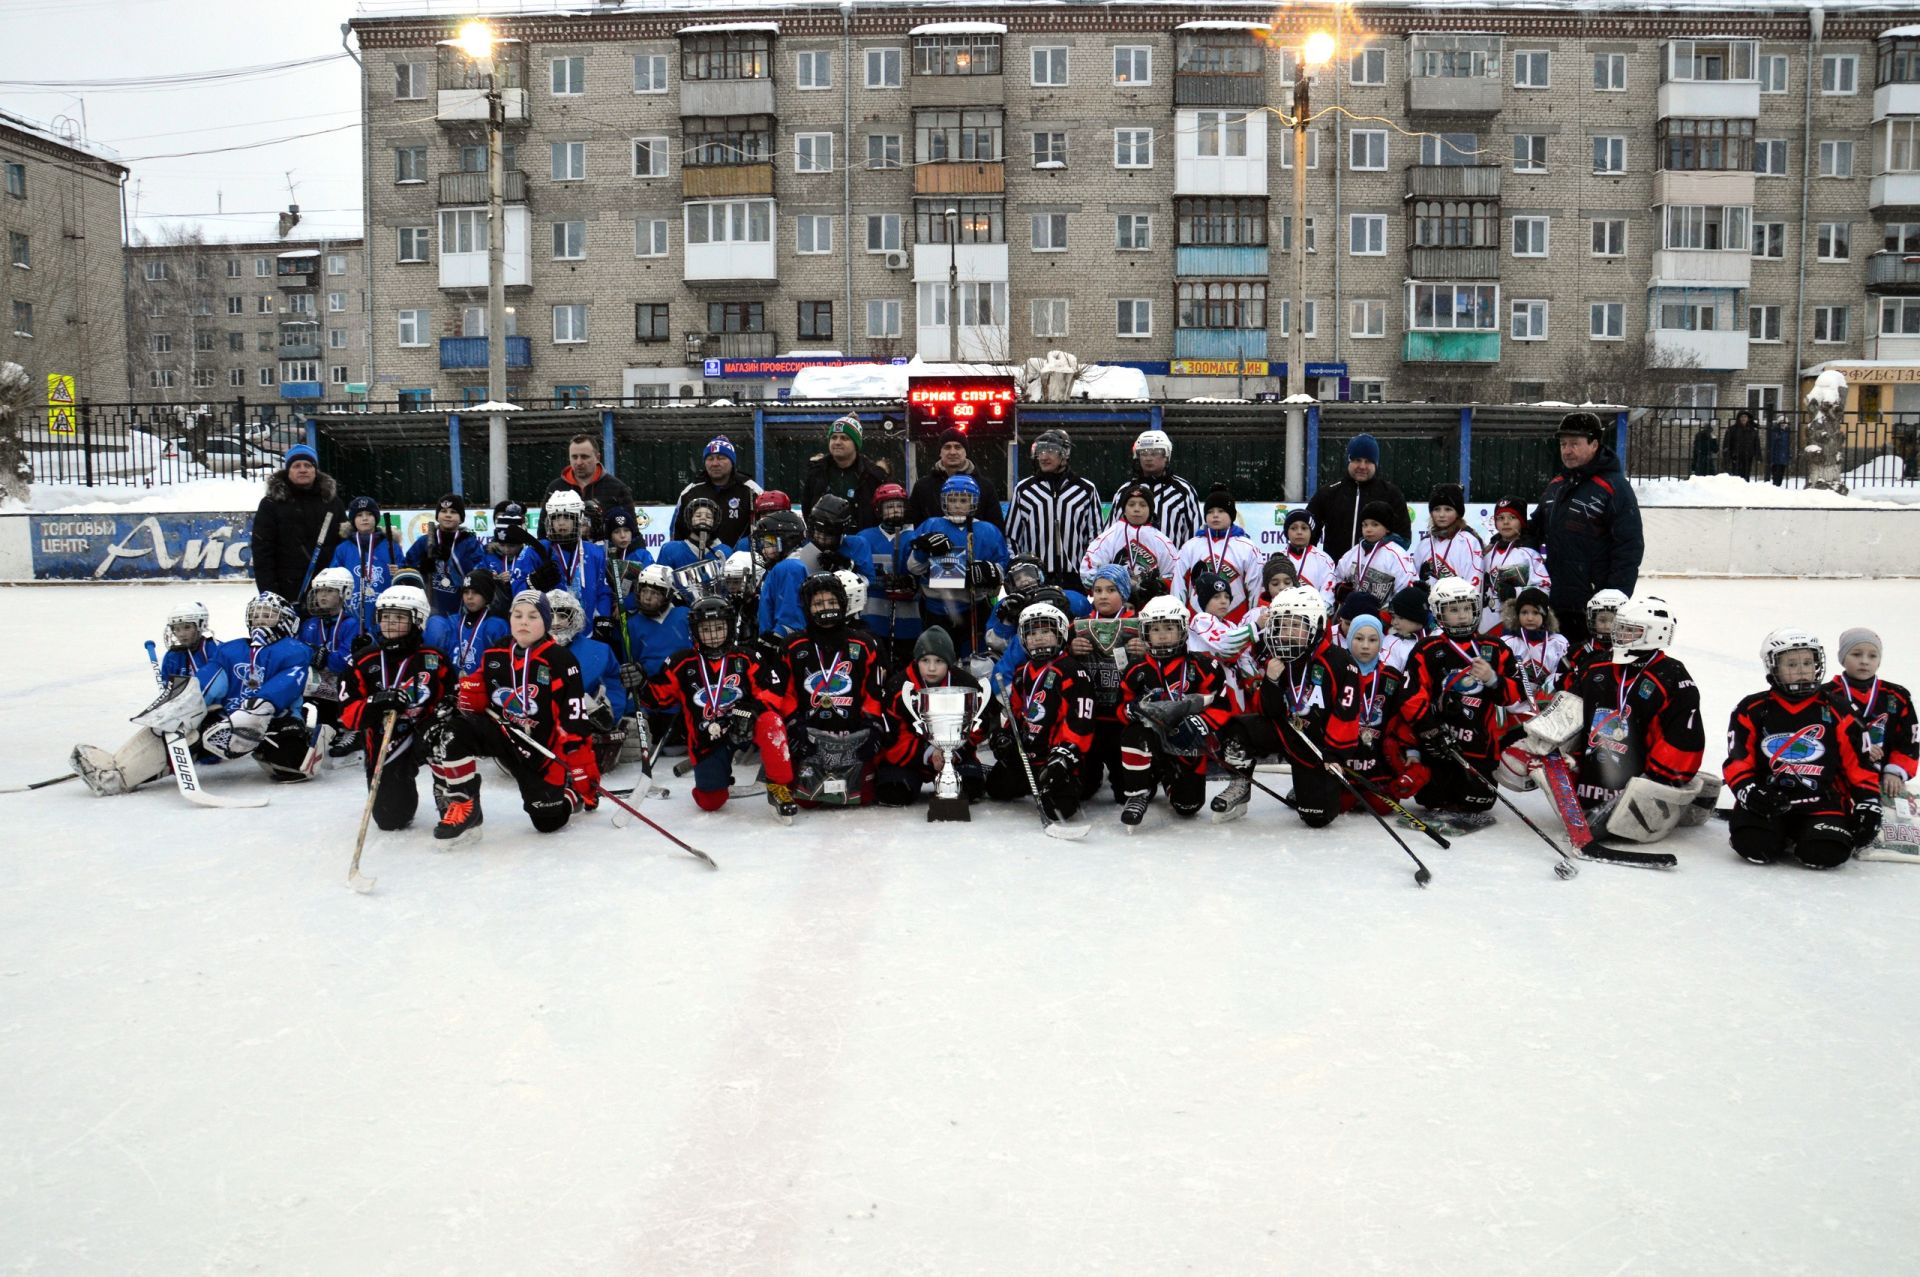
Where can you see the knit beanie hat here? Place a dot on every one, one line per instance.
(363, 505)
(849, 426)
(1298, 516)
(1357, 604)
(721, 446)
(934, 641)
(1207, 586)
(539, 600)
(300, 452)
(1363, 448)
(455, 502)
(1852, 638)
(1410, 604)
(1450, 495)
(1220, 497)
(1379, 511)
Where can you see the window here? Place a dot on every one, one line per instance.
(1529, 153)
(236, 305)
(336, 302)
(1770, 240)
(1134, 317)
(1609, 154)
(1528, 321)
(650, 321)
(1763, 323)
(813, 233)
(297, 304)
(1133, 148)
(302, 370)
(1530, 236)
(409, 164)
(337, 375)
(972, 134)
(1531, 68)
(569, 323)
(1901, 237)
(1132, 65)
(16, 180)
(409, 81)
(725, 55)
(1833, 242)
(1688, 317)
(1608, 236)
(1286, 150)
(1224, 133)
(1286, 316)
(263, 268)
(1458, 307)
(1049, 150)
(883, 68)
(1713, 227)
(883, 317)
(813, 69)
(233, 268)
(1222, 304)
(1607, 321)
(413, 243)
(650, 157)
(1369, 319)
(1700, 396)
(1050, 66)
(649, 73)
(236, 376)
(1836, 158)
(159, 378)
(1215, 53)
(883, 150)
(413, 328)
(1133, 232)
(1773, 73)
(266, 377)
(236, 343)
(1839, 73)
(338, 339)
(1899, 316)
(569, 161)
(1830, 324)
(730, 222)
(1452, 149)
(1367, 150)
(336, 263)
(1049, 232)
(161, 343)
(569, 241)
(1221, 220)
(981, 304)
(155, 271)
(264, 305)
(1770, 157)
(1286, 235)
(23, 319)
(1368, 391)
(1455, 224)
(980, 221)
(1367, 234)
(650, 237)
(263, 342)
(736, 317)
(967, 54)
(1764, 400)
(816, 321)
(1698, 145)
(1610, 72)
(1369, 66)
(883, 232)
(1050, 317)
(568, 76)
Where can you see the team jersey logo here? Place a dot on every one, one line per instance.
(716, 702)
(514, 704)
(1796, 753)
(831, 688)
(1140, 562)
(1611, 732)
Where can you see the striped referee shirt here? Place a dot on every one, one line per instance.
(1176, 504)
(1054, 517)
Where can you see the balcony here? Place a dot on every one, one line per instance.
(1223, 260)
(471, 352)
(1228, 88)
(733, 262)
(1709, 100)
(461, 87)
(956, 90)
(1220, 343)
(1454, 263)
(473, 188)
(1474, 347)
(1713, 268)
(1703, 186)
(1893, 273)
(1454, 95)
(739, 345)
(1243, 172)
(297, 270)
(962, 177)
(1894, 190)
(1896, 99)
(302, 390)
(718, 181)
(726, 97)
(1891, 346)
(1454, 181)
(298, 348)
(463, 248)
(973, 262)
(1709, 350)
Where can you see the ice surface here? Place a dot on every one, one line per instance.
(873, 1046)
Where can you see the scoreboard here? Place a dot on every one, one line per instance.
(980, 406)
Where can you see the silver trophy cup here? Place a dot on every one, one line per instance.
(947, 717)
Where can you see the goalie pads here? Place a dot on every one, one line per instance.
(832, 774)
(141, 759)
(1564, 718)
(240, 732)
(1162, 714)
(1646, 810)
(1516, 767)
(178, 710)
(1700, 811)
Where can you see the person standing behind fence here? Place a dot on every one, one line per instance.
(842, 471)
(1336, 507)
(1588, 524)
(597, 487)
(1705, 449)
(1176, 502)
(730, 492)
(1779, 450)
(1055, 513)
(1740, 445)
(298, 524)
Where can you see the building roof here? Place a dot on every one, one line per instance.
(46, 137)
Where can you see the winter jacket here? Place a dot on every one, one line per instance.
(857, 483)
(1779, 444)
(599, 486)
(444, 562)
(1742, 447)
(735, 500)
(286, 528)
(1336, 512)
(1588, 524)
(924, 502)
(1705, 449)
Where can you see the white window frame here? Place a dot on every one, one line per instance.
(1366, 235)
(1056, 308)
(566, 86)
(263, 305)
(879, 63)
(1047, 53)
(336, 303)
(1526, 58)
(1285, 317)
(1614, 141)
(1367, 390)
(1057, 229)
(1131, 148)
(1137, 308)
(657, 84)
(651, 236)
(1602, 228)
(571, 151)
(1766, 64)
(1367, 140)
(1769, 147)
(889, 308)
(1825, 240)
(1535, 310)
(1365, 61)
(409, 81)
(422, 237)
(882, 222)
(339, 338)
(1143, 243)
(1842, 71)
(1760, 239)
(1367, 319)
(576, 323)
(1833, 150)
(236, 377)
(1529, 163)
(1055, 158)
(810, 150)
(563, 240)
(807, 67)
(1823, 318)
(658, 154)
(1614, 78)
(1135, 53)
(1604, 311)
(881, 140)
(1286, 149)
(808, 227)
(1533, 221)
(416, 320)
(1757, 327)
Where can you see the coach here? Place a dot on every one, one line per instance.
(1588, 523)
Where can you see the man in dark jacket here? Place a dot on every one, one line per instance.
(726, 487)
(924, 502)
(842, 471)
(584, 474)
(296, 527)
(1336, 507)
(1588, 524)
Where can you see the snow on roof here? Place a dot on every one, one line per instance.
(400, 9)
(20, 123)
(1224, 26)
(494, 405)
(960, 28)
(889, 381)
(301, 252)
(1893, 33)
(705, 27)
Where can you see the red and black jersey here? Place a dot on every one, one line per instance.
(1052, 706)
(1642, 719)
(907, 745)
(1443, 692)
(831, 686)
(1322, 691)
(1595, 651)
(536, 690)
(1188, 674)
(709, 689)
(1885, 711)
(1811, 745)
(1379, 692)
(426, 675)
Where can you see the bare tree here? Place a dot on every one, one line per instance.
(16, 472)
(1623, 372)
(171, 332)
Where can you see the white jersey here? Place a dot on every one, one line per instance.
(1236, 558)
(1141, 551)
(1540, 661)
(1460, 555)
(1382, 569)
(1396, 648)
(1231, 642)
(1314, 566)
(1509, 569)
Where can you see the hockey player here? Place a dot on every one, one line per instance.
(465, 638)
(831, 543)
(658, 627)
(1374, 565)
(371, 554)
(1532, 633)
(1885, 711)
(726, 694)
(1311, 564)
(776, 538)
(1512, 563)
(1230, 643)
(1104, 642)
(1050, 704)
(1802, 784)
(627, 554)
(699, 552)
(1308, 713)
(502, 549)
(831, 702)
(1378, 691)
(893, 604)
(403, 676)
(563, 558)
(1132, 542)
(958, 560)
(1449, 547)
(445, 553)
(1408, 621)
(764, 504)
(333, 635)
(910, 760)
(607, 702)
(190, 642)
(1223, 550)
(1172, 702)
(1598, 648)
(524, 698)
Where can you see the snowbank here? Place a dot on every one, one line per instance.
(212, 495)
(1725, 490)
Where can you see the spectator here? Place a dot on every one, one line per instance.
(842, 471)
(1741, 445)
(1588, 523)
(1779, 450)
(597, 487)
(1336, 507)
(924, 503)
(726, 488)
(1055, 514)
(296, 527)
(1176, 503)
(1705, 449)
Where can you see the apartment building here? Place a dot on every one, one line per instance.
(1510, 202)
(61, 308)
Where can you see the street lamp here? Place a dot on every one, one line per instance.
(476, 40)
(953, 284)
(1315, 53)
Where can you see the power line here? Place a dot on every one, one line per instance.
(244, 146)
(247, 124)
(184, 79)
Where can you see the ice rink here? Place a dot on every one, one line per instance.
(870, 1045)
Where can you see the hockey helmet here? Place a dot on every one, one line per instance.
(568, 616)
(855, 586)
(885, 493)
(1772, 648)
(1153, 441)
(653, 588)
(1455, 606)
(830, 616)
(960, 497)
(1024, 572)
(335, 581)
(1052, 441)
(564, 504)
(1603, 601)
(407, 600)
(1156, 619)
(188, 624)
(768, 502)
(711, 622)
(1043, 618)
(702, 506)
(778, 534)
(1643, 625)
(270, 617)
(829, 521)
(1295, 622)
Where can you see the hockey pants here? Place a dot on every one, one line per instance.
(456, 771)
(1105, 757)
(713, 774)
(1450, 788)
(1250, 737)
(399, 797)
(1144, 763)
(1819, 840)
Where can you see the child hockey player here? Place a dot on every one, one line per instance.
(563, 558)
(1311, 564)
(1511, 563)
(776, 537)
(1408, 621)
(1048, 701)
(1104, 642)
(333, 634)
(1374, 565)
(403, 676)
(626, 555)
(1885, 711)
(910, 760)
(658, 627)
(831, 543)
(1230, 643)
(1532, 634)
(465, 638)
(1172, 701)
(1222, 550)
(1457, 682)
(697, 554)
(893, 604)
(606, 695)
(445, 553)
(958, 559)
(504, 544)
(1448, 547)
(1801, 782)
(1133, 543)
(831, 702)
(1378, 693)
(371, 554)
(190, 642)
(1598, 648)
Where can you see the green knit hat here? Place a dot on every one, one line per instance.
(849, 426)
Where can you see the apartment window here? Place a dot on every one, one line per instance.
(16, 180)
(1529, 153)
(1133, 148)
(263, 342)
(1369, 318)
(1132, 65)
(1214, 53)
(302, 370)
(973, 134)
(23, 319)
(1764, 400)
(1530, 236)
(1609, 154)
(1687, 317)
(1286, 234)
(1699, 396)
(1713, 227)
(236, 377)
(413, 243)
(1367, 150)
(1456, 224)
(155, 271)
(337, 375)
(730, 222)
(264, 305)
(959, 54)
(883, 150)
(233, 268)
(569, 241)
(650, 321)
(725, 55)
(263, 268)
(1286, 150)
(1698, 145)
(650, 157)
(1133, 232)
(158, 378)
(409, 81)
(1134, 317)
(1221, 220)
(649, 73)
(569, 161)
(1830, 324)
(236, 305)
(336, 302)
(883, 317)
(1532, 69)
(1607, 321)
(813, 69)
(1049, 232)
(1770, 157)
(1049, 150)
(297, 304)
(569, 323)
(1770, 240)
(1050, 317)
(1224, 133)
(1455, 307)
(1369, 66)
(813, 233)
(1899, 316)
(1839, 73)
(982, 304)
(1901, 237)
(1610, 72)
(1902, 151)
(981, 221)
(883, 232)
(1222, 304)
(413, 328)
(650, 237)
(337, 339)
(1368, 391)
(1608, 236)
(336, 263)
(736, 317)
(883, 68)
(409, 164)
(1763, 323)
(266, 377)
(1528, 320)
(1836, 158)
(236, 343)
(816, 321)
(1833, 242)
(1773, 73)
(161, 343)
(567, 76)
(1050, 66)
(1450, 149)
(1367, 234)
(1312, 329)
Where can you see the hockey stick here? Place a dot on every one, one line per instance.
(651, 790)
(39, 784)
(1564, 866)
(313, 560)
(186, 775)
(1566, 804)
(1413, 822)
(354, 880)
(1421, 874)
(1050, 824)
(153, 659)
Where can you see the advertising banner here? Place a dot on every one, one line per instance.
(141, 547)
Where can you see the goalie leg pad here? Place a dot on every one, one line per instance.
(1700, 810)
(178, 709)
(1563, 719)
(1517, 768)
(141, 759)
(1646, 810)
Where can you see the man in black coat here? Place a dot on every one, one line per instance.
(1588, 524)
(296, 527)
(1336, 507)
(924, 502)
(842, 471)
(597, 487)
(726, 487)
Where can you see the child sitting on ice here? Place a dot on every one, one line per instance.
(1884, 709)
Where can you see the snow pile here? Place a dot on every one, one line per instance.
(1829, 391)
(214, 495)
(889, 381)
(851, 381)
(1726, 490)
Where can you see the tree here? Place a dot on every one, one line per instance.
(16, 471)
(171, 296)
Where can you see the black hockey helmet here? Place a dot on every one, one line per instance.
(830, 520)
(1024, 573)
(783, 531)
(708, 608)
(509, 514)
(812, 588)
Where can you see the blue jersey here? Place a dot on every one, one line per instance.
(989, 546)
(333, 636)
(463, 639)
(780, 612)
(583, 573)
(600, 672)
(444, 575)
(372, 557)
(187, 660)
(652, 643)
(889, 618)
(618, 576)
(276, 673)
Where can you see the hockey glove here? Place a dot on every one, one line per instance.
(1060, 766)
(319, 661)
(361, 642)
(388, 698)
(898, 586)
(1764, 801)
(983, 577)
(933, 545)
(1160, 715)
(239, 733)
(1866, 821)
(1409, 781)
(472, 694)
(1001, 743)
(518, 537)
(603, 629)
(545, 577)
(633, 676)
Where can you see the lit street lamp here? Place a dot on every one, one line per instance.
(1315, 53)
(476, 40)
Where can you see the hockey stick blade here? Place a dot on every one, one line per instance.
(39, 784)
(186, 776)
(1066, 832)
(1601, 852)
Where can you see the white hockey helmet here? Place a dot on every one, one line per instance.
(856, 587)
(1043, 616)
(1163, 610)
(410, 599)
(1642, 626)
(339, 580)
(569, 617)
(183, 616)
(1296, 621)
(742, 573)
(1603, 601)
(654, 576)
(270, 617)
(1451, 590)
(1152, 441)
(563, 504)
(1776, 645)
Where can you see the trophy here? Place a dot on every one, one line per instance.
(698, 580)
(947, 716)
